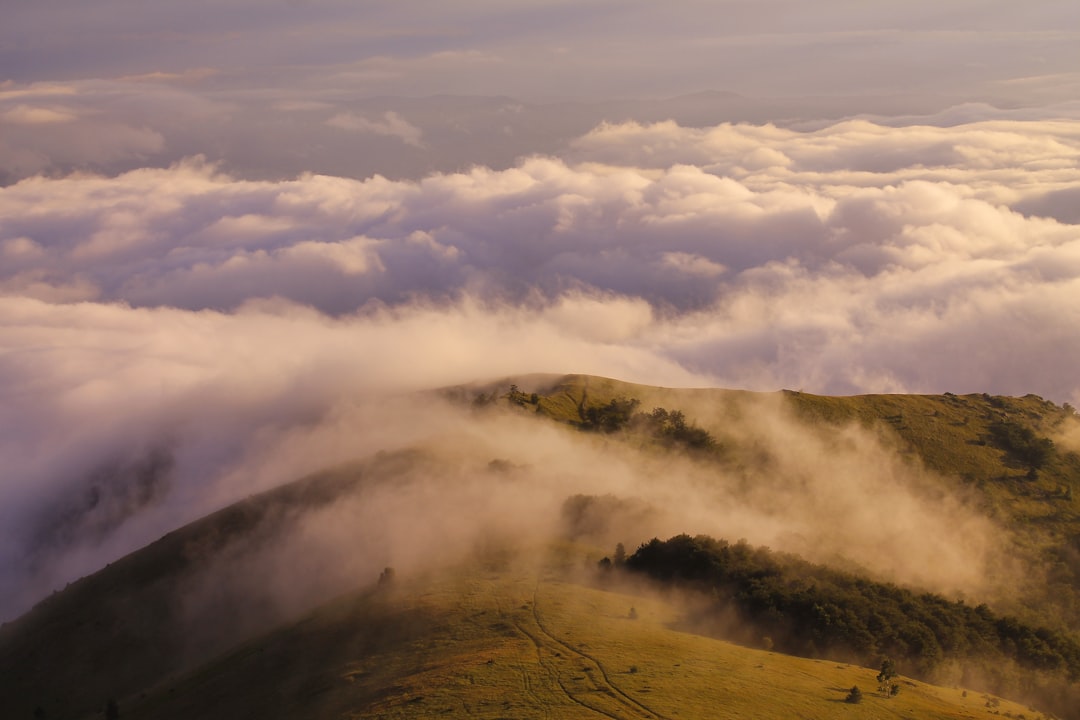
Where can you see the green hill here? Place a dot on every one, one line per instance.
(520, 631)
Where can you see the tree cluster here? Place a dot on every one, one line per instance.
(817, 611)
(516, 397)
(1022, 444)
(670, 427)
(609, 418)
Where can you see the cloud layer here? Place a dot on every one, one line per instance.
(177, 337)
(853, 258)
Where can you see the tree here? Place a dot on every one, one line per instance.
(854, 695)
(386, 576)
(620, 555)
(516, 396)
(885, 677)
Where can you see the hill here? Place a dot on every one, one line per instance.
(473, 641)
(1015, 459)
(525, 644)
(230, 615)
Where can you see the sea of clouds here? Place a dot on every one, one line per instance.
(206, 284)
(177, 326)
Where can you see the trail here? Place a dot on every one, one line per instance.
(593, 689)
(525, 670)
(549, 664)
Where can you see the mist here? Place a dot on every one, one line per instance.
(453, 485)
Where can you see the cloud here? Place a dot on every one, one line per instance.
(198, 336)
(188, 76)
(391, 125)
(792, 273)
(27, 115)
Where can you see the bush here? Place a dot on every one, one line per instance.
(854, 695)
(1022, 444)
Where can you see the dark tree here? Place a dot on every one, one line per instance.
(620, 555)
(386, 576)
(885, 677)
(672, 427)
(611, 417)
(1022, 444)
(854, 695)
(516, 396)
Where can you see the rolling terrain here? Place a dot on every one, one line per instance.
(226, 617)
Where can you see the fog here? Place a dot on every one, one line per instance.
(237, 243)
(494, 487)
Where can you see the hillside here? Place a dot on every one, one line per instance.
(997, 451)
(230, 615)
(524, 644)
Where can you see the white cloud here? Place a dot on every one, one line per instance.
(716, 243)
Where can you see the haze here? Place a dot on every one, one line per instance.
(227, 228)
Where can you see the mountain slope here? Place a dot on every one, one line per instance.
(522, 644)
(150, 629)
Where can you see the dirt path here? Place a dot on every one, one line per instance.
(577, 675)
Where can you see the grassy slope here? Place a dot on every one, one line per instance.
(522, 644)
(116, 630)
(948, 434)
(108, 634)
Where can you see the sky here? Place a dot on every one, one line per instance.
(221, 223)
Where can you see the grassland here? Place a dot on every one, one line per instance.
(528, 640)
(516, 643)
(952, 436)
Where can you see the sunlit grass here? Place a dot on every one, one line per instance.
(525, 643)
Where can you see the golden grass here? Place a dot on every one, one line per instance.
(525, 644)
